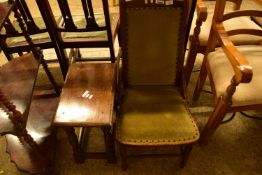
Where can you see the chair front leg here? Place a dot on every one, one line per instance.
(186, 153)
(123, 156)
(214, 120)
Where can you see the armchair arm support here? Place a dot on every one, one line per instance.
(242, 68)
(201, 10)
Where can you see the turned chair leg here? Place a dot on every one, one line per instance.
(186, 153)
(123, 156)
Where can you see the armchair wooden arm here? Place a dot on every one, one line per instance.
(243, 71)
(201, 11)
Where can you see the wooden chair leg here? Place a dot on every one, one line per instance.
(203, 71)
(201, 80)
(186, 153)
(123, 157)
(213, 121)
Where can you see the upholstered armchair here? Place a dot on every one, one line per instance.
(234, 71)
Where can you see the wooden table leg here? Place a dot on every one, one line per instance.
(109, 144)
(77, 151)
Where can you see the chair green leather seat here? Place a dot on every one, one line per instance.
(36, 37)
(42, 81)
(155, 115)
(80, 22)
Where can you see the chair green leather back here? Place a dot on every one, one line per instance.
(152, 50)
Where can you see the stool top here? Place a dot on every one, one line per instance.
(87, 97)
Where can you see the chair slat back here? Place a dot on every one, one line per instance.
(82, 27)
(65, 10)
(27, 16)
(9, 28)
(220, 17)
(12, 37)
(153, 34)
(32, 28)
(89, 13)
(236, 3)
(89, 17)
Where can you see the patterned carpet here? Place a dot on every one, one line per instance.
(235, 148)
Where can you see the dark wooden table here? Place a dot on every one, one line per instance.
(29, 138)
(87, 100)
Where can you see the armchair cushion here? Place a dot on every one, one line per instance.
(155, 115)
(235, 23)
(222, 73)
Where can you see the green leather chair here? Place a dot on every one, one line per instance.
(152, 111)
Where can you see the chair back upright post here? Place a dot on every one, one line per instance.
(50, 22)
(110, 36)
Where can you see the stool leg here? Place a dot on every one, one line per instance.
(109, 144)
(77, 151)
